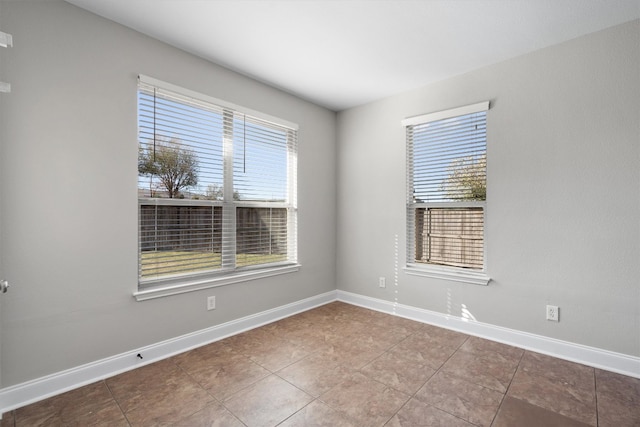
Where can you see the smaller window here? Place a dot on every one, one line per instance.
(447, 187)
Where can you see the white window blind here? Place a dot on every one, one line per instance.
(216, 186)
(446, 187)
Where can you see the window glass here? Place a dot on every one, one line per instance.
(216, 188)
(447, 164)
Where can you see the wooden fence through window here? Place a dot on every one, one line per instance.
(199, 228)
(450, 236)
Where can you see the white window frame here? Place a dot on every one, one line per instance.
(444, 272)
(228, 274)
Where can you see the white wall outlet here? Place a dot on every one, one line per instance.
(553, 313)
(211, 303)
(382, 282)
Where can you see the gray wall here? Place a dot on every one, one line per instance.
(563, 195)
(563, 215)
(68, 176)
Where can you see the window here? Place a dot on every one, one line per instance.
(216, 188)
(446, 193)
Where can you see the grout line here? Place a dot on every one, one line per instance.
(506, 392)
(116, 401)
(13, 417)
(595, 392)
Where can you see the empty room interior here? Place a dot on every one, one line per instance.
(344, 213)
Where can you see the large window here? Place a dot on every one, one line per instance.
(446, 193)
(216, 187)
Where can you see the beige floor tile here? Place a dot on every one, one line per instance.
(574, 375)
(442, 336)
(267, 402)
(471, 402)
(418, 414)
(88, 405)
(352, 354)
(398, 372)
(618, 386)
(383, 341)
(492, 350)
(268, 350)
(344, 331)
(317, 414)
(617, 412)
(220, 369)
(284, 327)
(210, 352)
(495, 374)
(315, 340)
(395, 322)
(308, 334)
(384, 338)
(552, 393)
(420, 349)
(515, 412)
(277, 355)
(367, 402)
(315, 374)
(333, 314)
(158, 393)
(249, 341)
(214, 415)
(8, 419)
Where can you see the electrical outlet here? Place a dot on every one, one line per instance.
(382, 282)
(211, 303)
(553, 313)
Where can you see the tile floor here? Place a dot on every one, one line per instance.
(341, 365)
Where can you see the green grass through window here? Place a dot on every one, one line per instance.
(161, 263)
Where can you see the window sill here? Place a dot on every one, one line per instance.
(448, 273)
(160, 291)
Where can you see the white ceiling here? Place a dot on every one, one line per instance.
(344, 53)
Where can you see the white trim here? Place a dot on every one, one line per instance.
(446, 114)
(591, 356)
(448, 273)
(197, 284)
(210, 99)
(5, 87)
(32, 391)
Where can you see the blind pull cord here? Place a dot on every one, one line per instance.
(155, 95)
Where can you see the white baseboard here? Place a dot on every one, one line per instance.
(591, 356)
(32, 391)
